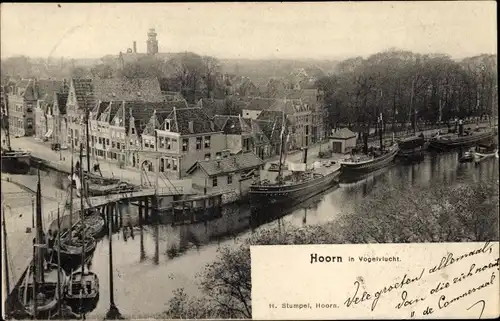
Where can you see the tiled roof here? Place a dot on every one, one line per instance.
(270, 115)
(169, 84)
(258, 135)
(26, 89)
(261, 104)
(270, 121)
(212, 106)
(343, 133)
(181, 118)
(47, 88)
(84, 92)
(115, 108)
(61, 99)
(232, 125)
(100, 107)
(143, 111)
(289, 106)
(135, 89)
(231, 164)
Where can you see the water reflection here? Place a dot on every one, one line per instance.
(164, 257)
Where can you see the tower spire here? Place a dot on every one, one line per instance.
(152, 43)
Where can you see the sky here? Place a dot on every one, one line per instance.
(328, 30)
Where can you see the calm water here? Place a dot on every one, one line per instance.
(145, 273)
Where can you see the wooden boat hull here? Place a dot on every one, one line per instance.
(16, 162)
(441, 143)
(47, 306)
(411, 155)
(71, 256)
(88, 301)
(263, 198)
(367, 167)
(95, 225)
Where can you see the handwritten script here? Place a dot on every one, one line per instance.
(367, 281)
(443, 284)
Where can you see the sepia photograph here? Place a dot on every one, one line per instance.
(147, 147)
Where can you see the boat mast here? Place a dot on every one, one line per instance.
(39, 231)
(5, 105)
(37, 257)
(87, 136)
(282, 147)
(82, 184)
(412, 109)
(71, 187)
(59, 295)
(7, 284)
(381, 125)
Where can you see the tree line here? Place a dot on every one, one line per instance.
(407, 87)
(188, 73)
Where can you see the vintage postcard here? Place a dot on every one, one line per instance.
(251, 160)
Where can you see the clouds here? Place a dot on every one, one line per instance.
(253, 30)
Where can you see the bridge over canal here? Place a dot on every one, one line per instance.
(19, 238)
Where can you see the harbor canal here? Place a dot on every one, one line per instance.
(173, 255)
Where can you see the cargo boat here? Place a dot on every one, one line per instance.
(297, 187)
(365, 164)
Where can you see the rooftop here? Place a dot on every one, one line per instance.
(231, 164)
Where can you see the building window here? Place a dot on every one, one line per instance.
(169, 144)
(169, 164)
(207, 141)
(207, 156)
(185, 144)
(133, 130)
(146, 144)
(229, 179)
(174, 164)
(214, 182)
(107, 141)
(198, 143)
(118, 145)
(218, 155)
(113, 145)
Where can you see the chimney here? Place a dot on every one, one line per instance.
(135, 47)
(191, 128)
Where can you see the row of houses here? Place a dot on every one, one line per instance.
(134, 123)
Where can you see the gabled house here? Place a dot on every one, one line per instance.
(22, 100)
(260, 141)
(44, 111)
(237, 132)
(300, 117)
(187, 135)
(233, 173)
(256, 106)
(85, 93)
(60, 121)
(271, 124)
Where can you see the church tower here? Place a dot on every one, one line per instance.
(152, 43)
